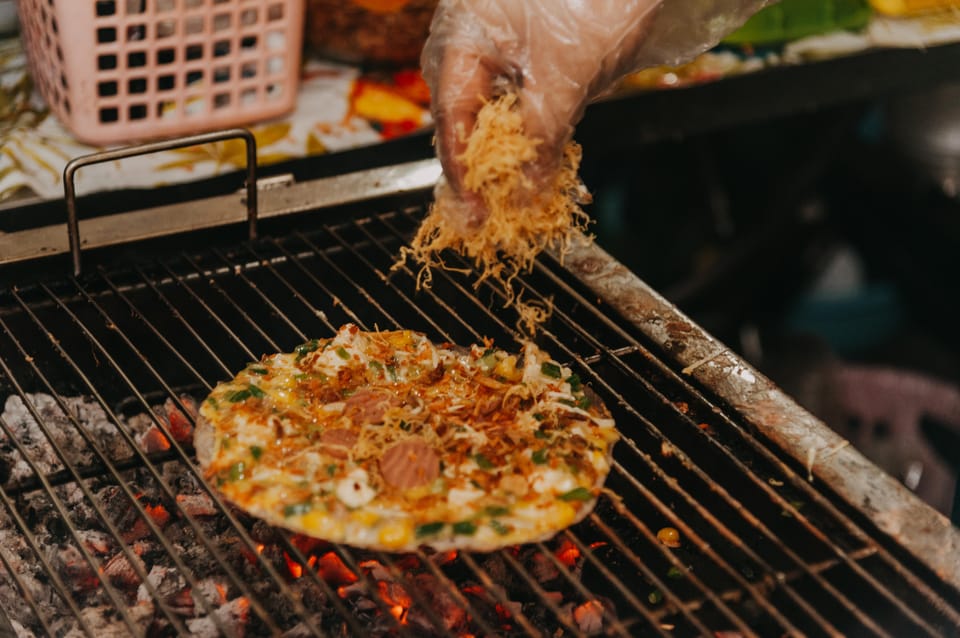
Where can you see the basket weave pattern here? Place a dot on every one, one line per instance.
(125, 70)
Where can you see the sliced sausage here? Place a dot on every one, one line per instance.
(410, 463)
(368, 406)
(337, 443)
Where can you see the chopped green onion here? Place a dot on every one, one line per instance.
(343, 354)
(584, 402)
(574, 382)
(297, 509)
(476, 484)
(500, 528)
(404, 425)
(540, 456)
(496, 510)
(551, 370)
(306, 348)
(260, 371)
(675, 573)
(238, 396)
(483, 462)
(256, 452)
(392, 372)
(255, 391)
(577, 494)
(429, 529)
(465, 528)
(213, 402)
(655, 597)
(377, 366)
(538, 416)
(541, 435)
(332, 469)
(236, 471)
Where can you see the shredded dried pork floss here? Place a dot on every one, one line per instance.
(520, 224)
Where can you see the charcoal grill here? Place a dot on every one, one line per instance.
(107, 529)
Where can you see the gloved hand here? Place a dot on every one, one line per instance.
(557, 55)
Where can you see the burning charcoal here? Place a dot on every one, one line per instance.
(233, 617)
(333, 570)
(63, 431)
(210, 592)
(396, 597)
(105, 623)
(496, 567)
(169, 585)
(181, 425)
(441, 601)
(76, 570)
(301, 630)
(153, 440)
(376, 570)
(263, 533)
(95, 541)
(589, 617)
(197, 504)
(543, 568)
(121, 571)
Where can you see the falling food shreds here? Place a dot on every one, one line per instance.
(521, 223)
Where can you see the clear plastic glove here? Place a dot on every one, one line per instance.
(557, 55)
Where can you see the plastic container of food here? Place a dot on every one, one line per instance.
(376, 32)
(122, 70)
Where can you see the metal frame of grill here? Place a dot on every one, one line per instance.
(786, 530)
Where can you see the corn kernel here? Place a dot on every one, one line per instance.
(400, 339)
(507, 368)
(365, 517)
(315, 521)
(395, 535)
(565, 513)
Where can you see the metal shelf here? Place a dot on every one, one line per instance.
(642, 117)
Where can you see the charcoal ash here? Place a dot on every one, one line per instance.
(25, 429)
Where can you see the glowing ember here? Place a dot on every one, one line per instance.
(474, 590)
(589, 617)
(397, 598)
(154, 441)
(332, 570)
(159, 514)
(568, 553)
(295, 568)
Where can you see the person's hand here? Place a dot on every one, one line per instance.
(557, 55)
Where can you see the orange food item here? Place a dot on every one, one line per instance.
(382, 6)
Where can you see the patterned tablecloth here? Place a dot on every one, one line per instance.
(339, 107)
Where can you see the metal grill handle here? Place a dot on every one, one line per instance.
(70, 170)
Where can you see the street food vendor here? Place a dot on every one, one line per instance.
(557, 55)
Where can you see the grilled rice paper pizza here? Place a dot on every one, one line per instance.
(388, 441)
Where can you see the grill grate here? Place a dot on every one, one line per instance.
(764, 551)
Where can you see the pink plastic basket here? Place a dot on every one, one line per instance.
(124, 70)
